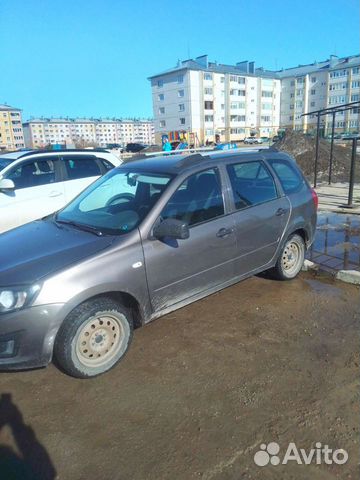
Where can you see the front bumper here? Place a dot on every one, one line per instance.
(27, 336)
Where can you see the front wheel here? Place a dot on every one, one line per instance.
(93, 338)
(290, 260)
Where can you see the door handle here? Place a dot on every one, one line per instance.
(280, 211)
(55, 193)
(224, 232)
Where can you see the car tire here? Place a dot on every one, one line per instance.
(93, 338)
(290, 260)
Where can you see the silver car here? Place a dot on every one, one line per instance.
(147, 238)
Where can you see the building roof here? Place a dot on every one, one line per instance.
(247, 68)
(8, 108)
(202, 64)
(333, 63)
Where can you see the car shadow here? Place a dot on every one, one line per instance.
(31, 460)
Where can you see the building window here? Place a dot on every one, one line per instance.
(298, 104)
(160, 83)
(237, 118)
(266, 94)
(356, 70)
(222, 79)
(223, 106)
(266, 106)
(180, 79)
(299, 92)
(182, 121)
(237, 93)
(181, 93)
(265, 118)
(161, 97)
(312, 104)
(162, 123)
(162, 110)
(181, 107)
(313, 79)
(291, 117)
(208, 105)
(236, 131)
(355, 84)
(355, 98)
(209, 118)
(208, 76)
(208, 91)
(292, 83)
(313, 91)
(292, 95)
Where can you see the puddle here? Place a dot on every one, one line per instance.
(337, 241)
(322, 287)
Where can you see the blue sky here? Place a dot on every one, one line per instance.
(92, 58)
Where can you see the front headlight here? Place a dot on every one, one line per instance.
(15, 298)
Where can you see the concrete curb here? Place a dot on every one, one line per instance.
(347, 276)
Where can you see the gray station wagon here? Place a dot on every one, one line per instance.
(147, 238)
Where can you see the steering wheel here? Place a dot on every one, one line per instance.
(116, 199)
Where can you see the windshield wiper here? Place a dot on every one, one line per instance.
(80, 226)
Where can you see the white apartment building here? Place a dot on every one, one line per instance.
(87, 132)
(11, 131)
(213, 101)
(229, 102)
(308, 88)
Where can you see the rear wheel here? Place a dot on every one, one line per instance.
(291, 259)
(93, 338)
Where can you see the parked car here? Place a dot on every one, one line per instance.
(275, 138)
(37, 183)
(135, 147)
(147, 238)
(252, 140)
(226, 146)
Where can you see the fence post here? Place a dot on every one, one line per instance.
(332, 146)
(317, 149)
(352, 174)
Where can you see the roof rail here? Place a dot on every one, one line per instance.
(87, 150)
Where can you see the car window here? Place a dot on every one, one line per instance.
(289, 177)
(106, 164)
(251, 183)
(33, 174)
(198, 199)
(81, 166)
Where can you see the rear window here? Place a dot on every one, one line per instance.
(289, 177)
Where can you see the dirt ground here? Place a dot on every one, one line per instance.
(199, 391)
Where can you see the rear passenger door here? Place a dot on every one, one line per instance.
(38, 192)
(79, 172)
(260, 214)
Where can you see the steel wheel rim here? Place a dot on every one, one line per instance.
(99, 340)
(291, 257)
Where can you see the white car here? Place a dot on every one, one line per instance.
(35, 184)
(252, 140)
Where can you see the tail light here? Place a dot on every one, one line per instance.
(315, 198)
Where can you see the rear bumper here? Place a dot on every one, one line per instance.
(27, 336)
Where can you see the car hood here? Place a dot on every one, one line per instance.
(32, 251)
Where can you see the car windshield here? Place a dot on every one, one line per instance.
(116, 203)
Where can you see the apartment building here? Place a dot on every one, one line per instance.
(214, 101)
(40, 132)
(229, 102)
(329, 83)
(11, 130)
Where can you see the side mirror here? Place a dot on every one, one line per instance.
(7, 184)
(172, 228)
